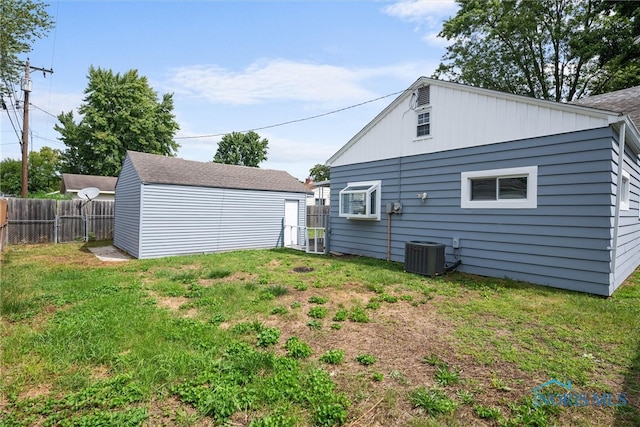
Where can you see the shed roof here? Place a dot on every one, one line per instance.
(75, 182)
(624, 101)
(156, 169)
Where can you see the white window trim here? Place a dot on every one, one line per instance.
(625, 191)
(377, 185)
(531, 202)
(420, 110)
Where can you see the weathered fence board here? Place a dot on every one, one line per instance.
(316, 215)
(42, 221)
(4, 224)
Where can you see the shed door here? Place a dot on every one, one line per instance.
(290, 222)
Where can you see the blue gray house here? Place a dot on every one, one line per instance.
(171, 206)
(511, 186)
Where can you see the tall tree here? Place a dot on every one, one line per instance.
(245, 149)
(320, 172)
(618, 46)
(21, 23)
(543, 49)
(44, 172)
(119, 113)
(10, 176)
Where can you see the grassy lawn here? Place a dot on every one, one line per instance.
(283, 338)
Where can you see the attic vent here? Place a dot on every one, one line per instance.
(423, 96)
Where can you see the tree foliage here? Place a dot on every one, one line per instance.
(44, 173)
(245, 149)
(320, 172)
(21, 23)
(618, 45)
(548, 49)
(119, 113)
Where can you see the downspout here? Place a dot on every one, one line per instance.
(616, 220)
(389, 236)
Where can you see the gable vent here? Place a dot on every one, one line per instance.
(423, 96)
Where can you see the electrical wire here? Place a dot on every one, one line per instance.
(297, 120)
(13, 124)
(44, 111)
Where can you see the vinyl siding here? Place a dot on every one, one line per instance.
(126, 231)
(565, 242)
(179, 220)
(628, 250)
(489, 117)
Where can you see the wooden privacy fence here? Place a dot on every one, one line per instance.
(317, 215)
(58, 221)
(4, 224)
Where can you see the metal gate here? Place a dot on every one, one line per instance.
(309, 239)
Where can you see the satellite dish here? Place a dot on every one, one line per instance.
(89, 193)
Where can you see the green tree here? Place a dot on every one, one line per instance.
(543, 49)
(119, 113)
(245, 149)
(11, 176)
(21, 23)
(618, 47)
(319, 172)
(44, 172)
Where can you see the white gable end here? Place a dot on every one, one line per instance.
(462, 116)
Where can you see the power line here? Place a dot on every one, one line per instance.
(297, 120)
(44, 111)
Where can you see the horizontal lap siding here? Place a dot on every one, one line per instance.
(126, 232)
(628, 250)
(181, 220)
(563, 242)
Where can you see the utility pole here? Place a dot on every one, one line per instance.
(26, 88)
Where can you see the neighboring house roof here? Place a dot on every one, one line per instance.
(624, 101)
(72, 183)
(156, 169)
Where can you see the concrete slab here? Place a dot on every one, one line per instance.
(110, 254)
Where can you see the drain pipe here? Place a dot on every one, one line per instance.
(389, 236)
(616, 220)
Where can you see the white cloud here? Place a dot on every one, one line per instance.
(421, 10)
(428, 15)
(283, 80)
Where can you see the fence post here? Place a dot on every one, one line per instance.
(327, 233)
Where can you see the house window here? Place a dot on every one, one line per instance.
(361, 200)
(424, 124)
(625, 191)
(513, 188)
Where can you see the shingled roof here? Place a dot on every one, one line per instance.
(155, 169)
(624, 101)
(73, 182)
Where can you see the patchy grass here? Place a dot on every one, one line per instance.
(227, 338)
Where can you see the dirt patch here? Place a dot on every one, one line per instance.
(170, 412)
(303, 269)
(175, 304)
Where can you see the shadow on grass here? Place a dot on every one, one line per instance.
(629, 414)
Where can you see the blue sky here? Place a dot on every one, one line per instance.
(240, 65)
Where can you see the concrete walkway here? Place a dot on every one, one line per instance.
(109, 254)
